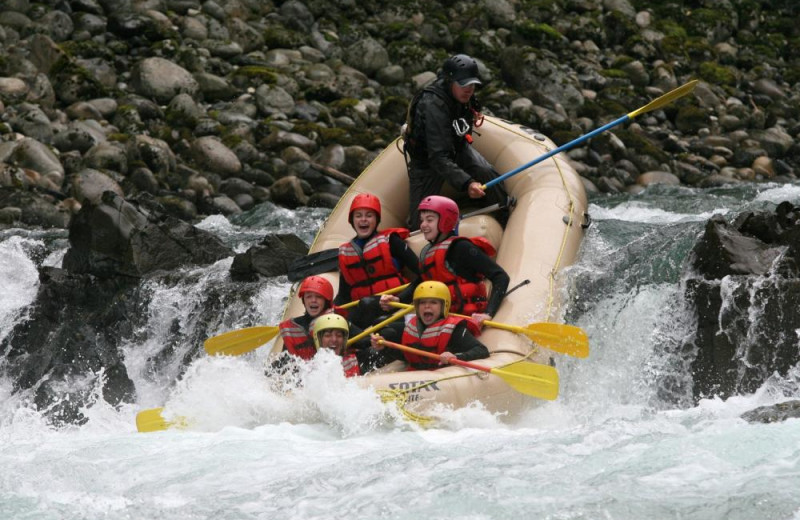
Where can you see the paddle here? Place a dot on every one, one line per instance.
(528, 378)
(242, 341)
(152, 421)
(558, 337)
(661, 101)
(327, 260)
(369, 330)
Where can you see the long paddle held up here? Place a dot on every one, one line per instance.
(657, 103)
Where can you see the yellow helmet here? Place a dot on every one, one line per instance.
(326, 322)
(436, 290)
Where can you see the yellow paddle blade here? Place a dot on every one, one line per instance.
(666, 99)
(152, 421)
(566, 339)
(238, 342)
(530, 378)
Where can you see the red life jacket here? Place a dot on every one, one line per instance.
(435, 338)
(467, 297)
(371, 270)
(297, 340)
(350, 365)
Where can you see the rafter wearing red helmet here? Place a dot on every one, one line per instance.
(461, 263)
(373, 261)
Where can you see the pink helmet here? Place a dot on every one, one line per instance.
(446, 208)
(318, 285)
(365, 201)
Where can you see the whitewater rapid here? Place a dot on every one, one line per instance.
(623, 441)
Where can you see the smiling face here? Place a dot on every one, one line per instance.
(429, 310)
(314, 303)
(333, 339)
(429, 225)
(462, 94)
(364, 222)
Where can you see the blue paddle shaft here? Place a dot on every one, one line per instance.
(560, 149)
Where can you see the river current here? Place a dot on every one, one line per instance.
(623, 440)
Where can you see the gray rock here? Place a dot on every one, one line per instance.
(107, 156)
(273, 99)
(367, 55)
(34, 123)
(161, 79)
(212, 155)
(79, 135)
(773, 413)
(215, 88)
(12, 90)
(289, 192)
(155, 153)
(88, 185)
(657, 177)
(29, 153)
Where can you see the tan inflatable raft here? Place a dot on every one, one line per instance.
(541, 238)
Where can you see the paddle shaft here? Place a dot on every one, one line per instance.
(369, 330)
(566, 339)
(656, 103)
(453, 361)
(394, 290)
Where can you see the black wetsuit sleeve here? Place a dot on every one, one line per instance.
(469, 261)
(343, 296)
(403, 254)
(465, 346)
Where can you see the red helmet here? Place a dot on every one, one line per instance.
(365, 201)
(318, 285)
(446, 208)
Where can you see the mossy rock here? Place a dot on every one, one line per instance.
(717, 74)
(691, 118)
(699, 22)
(538, 34)
(279, 37)
(255, 75)
(640, 144)
(562, 137)
(614, 73)
(86, 49)
(699, 49)
(393, 108)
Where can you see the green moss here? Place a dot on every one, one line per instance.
(232, 140)
(698, 48)
(699, 22)
(717, 74)
(265, 74)
(344, 103)
(690, 118)
(537, 33)
(613, 73)
(119, 138)
(640, 144)
(86, 49)
(279, 37)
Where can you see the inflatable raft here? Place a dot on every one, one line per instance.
(542, 236)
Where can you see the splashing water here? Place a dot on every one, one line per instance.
(623, 440)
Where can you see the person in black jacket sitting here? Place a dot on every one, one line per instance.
(438, 137)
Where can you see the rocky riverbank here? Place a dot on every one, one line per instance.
(128, 120)
(215, 106)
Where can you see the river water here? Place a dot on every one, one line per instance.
(623, 441)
